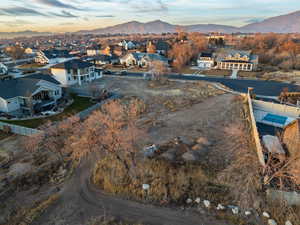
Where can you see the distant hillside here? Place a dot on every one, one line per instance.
(26, 33)
(132, 27)
(207, 28)
(158, 27)
(289, 23)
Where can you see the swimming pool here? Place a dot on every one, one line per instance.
(275, 118)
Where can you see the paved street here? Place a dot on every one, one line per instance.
(261, 87)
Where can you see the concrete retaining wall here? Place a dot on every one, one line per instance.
(277, 108)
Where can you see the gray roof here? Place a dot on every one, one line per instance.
(45, 77)
(56, 53)
(18, 87)
(73, 64)
(155, 57)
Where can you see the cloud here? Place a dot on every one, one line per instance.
(66, 24)
(56, 3)
(254, 20)
(105, 16)
(146, 6)
(16, 23)
(20, 11)
(64, 14)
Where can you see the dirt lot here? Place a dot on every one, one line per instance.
(24, 180)
(187, 110)
(293, 76)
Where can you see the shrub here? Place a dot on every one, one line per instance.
(169, 182)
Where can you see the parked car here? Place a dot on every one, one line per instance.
(107, 72)
(48, 113)
(123, 72)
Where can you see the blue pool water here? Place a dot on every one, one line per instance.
(275, 119)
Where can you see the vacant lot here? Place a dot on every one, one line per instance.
(194, 112)
(202, 116)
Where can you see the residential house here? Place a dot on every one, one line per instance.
(3, 69)
(22, 95)
(75, 71)
(162, 47)
(100, 60)
(132, 59)
(141, 59)
(112, 50)
(52, 56)
(147, 59)
(127, 45)
(205, 60)
(93, 50)
(237, 60)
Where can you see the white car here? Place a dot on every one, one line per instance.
(48, 113)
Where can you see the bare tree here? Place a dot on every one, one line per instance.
(15, 52)
(158, 70)
(54, 137)
(112, 130)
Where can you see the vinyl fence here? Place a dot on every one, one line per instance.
(29, 131)
(18, 129)
(255, 133)
(85, 113)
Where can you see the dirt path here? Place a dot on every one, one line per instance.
(81, 201)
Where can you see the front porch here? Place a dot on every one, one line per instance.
(39, 102)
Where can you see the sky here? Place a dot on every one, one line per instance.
(74, 15)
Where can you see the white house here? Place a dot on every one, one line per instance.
(132, 59)
(3, 69)
(92, 51)
(141, 59)
(127, 45)
(237, 60)
(147, 59)
(15, 94)
(74, 72)
(205, 60)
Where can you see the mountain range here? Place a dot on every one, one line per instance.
(289, 23)
(25, 33)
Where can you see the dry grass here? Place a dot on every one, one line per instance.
(224, 73)
(25, 216)
(243, 174)
(281, 212)
(169, 182)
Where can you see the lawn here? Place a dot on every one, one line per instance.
(4, 135)
(79, 104)
(30, 66)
